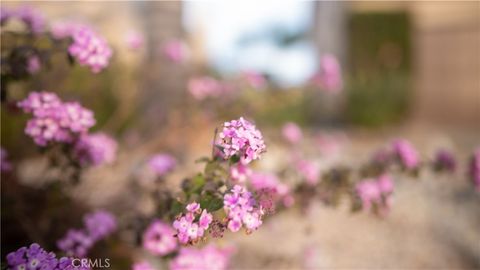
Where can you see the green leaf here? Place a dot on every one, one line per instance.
(211, 203)
(176, 207)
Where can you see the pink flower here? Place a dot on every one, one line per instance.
(308, 171)
(144, 265)
(54, 120)
(34, 19)
(204, 87)
(292, 133)
(376, 192)
(385, 184)
(95, 149)
(187, 229)
(254, 79)
(193, 207)
(33, 64)
(205, 219)
(329, 77)
(474, 169)
(241, 138)
(208, 258)
(134, 40)
(406, 153)
(89, 48)
(175, 51)
(240, 172)
(162, 164)
(63, 29)
(368, 192)
(5, 165)
(242, 209)
(159, 238)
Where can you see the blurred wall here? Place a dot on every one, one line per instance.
(447, 62)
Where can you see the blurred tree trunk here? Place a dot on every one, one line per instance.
(164, 82)
(329, 33)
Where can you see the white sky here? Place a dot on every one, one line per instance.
(224, 23)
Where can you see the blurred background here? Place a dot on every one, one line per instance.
(409, 69)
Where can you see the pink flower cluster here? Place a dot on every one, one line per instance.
(309, 171)
(32, 18)
(134, 40)
(207, 258)
(159, 238)
(89, 48)
(269, 183)
(254, 79)
(33, 64)
(406, 153)
(54, 120)
(143, 265)
(95, 149)
(175, 51)
(162, 164)
(5, 165)
(475, 169)
(189, 231)
(292, 133)
(329, 77)
(376, 192)
(97, 225)
(243, 139)
(242, 210)
(240, 172)
(203, 87)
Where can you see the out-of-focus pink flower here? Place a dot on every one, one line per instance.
(63, 29)
(99, 224)
(134, 40)
(474, 169)
(33, 64)
(385, 184)
(444, 160)
(143, 265)
(254, 79)
(203, 87)
(5, 14)
(329, 77)
(311, 258)
(241, 138)
(292, 133)
(95, 149)
(330, 144)
(33, 18)
(406, 153)
(240, 172)
(376, 192)
(159, 238)
(261, 180)
(162, 164)
(5, 165)
(308, 171)
(54, 120)
(175, 51)
(368, 192)
(89, 48)
(207, 258)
